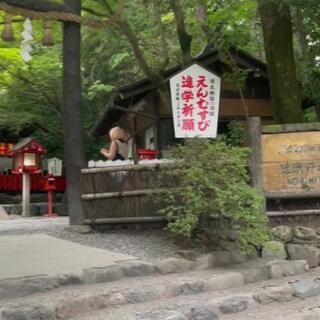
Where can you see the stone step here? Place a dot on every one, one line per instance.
(19, 287)
(72, 301)
(266, 300)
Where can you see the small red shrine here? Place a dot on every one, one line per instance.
(26, 156)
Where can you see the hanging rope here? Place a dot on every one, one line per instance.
(62, 16)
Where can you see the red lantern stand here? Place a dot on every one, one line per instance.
(50, 186)
(26, 156)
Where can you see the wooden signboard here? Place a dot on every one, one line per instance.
(291, 161)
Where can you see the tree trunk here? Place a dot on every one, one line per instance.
(278, 42)
(184, 38)
(72, 114)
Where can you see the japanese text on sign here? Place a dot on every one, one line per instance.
(291, 161)
(195, 94)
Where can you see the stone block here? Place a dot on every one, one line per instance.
(274, 294)
(137, 268)
(224, 281)
(304, 252)
(306, 289)
(173, 265)
(237, 257)
(188, 254)
(279, 269)
(304, 233)
(256, 274)
(103, 274)
(163, 314)
(282, 233)
(28, 312)
(222, 258)
(20, 287)
(204, 262)
(184, 288)
(196, 312)
(234, 305)
(143, 295)
(274, 249)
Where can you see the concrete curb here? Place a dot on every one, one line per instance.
(20, 287)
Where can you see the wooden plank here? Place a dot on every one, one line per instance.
(292, 194)
(125, 220)
(273, 214)
(286, 128)
(108, 195)
(254, 134)
(119, 181)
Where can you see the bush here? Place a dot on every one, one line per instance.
(210, 180)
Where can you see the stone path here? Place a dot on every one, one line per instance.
(171, 289)
(146, 245)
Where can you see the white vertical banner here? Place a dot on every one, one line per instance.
(27, 36)
(195, 96)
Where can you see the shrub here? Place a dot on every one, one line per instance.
(210, 180)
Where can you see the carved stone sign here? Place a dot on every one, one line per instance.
(291, 161)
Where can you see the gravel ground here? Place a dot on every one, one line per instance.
(146, 245)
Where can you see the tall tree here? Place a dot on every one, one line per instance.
(278, 41)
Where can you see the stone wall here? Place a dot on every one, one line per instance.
(296, 243)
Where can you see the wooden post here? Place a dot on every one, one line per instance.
(254, 137)
(26, 195)
(156, 126)
(72, 114)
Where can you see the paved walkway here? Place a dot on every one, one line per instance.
(40, 254)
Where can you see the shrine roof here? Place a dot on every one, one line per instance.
(29, 144)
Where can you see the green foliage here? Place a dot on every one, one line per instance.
(236, 136)
(210, 180)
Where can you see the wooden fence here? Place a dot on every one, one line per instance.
(120, 194)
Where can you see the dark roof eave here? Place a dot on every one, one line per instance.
(244, 59)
